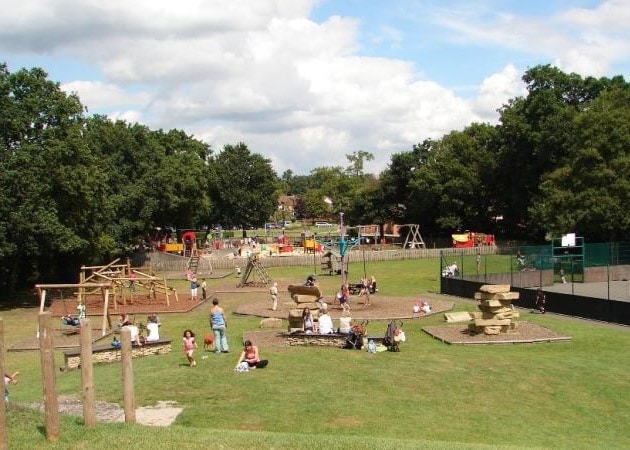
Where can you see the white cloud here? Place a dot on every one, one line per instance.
(129, 116)
(610, 15)
(602, 37)
(292, 89)
(496, 90)
(586, 41)
(104, 95)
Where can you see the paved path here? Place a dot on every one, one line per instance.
(615, 290)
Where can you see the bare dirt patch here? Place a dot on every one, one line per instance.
(525, 333)
(162, 414)
(381, 307)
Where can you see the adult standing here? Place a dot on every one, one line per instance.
(219, 325)
(273, 291)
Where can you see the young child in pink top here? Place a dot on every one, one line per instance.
(189, 346)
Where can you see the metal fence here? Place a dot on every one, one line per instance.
(588, 307)
(529, 266)
(227, 261)
(593, 283)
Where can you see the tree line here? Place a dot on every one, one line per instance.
(77, 189)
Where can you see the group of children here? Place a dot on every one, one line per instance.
(195, 285)
(152, 328)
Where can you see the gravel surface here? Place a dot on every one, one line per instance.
(526, 332)
(161, 415)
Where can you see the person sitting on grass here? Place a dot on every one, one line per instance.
(134, 332)
(308, 323)
(325, 322)
(153, 332)
(251, 356)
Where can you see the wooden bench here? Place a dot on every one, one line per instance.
(105, 353)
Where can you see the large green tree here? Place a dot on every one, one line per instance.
(155, 179)
(50, 185)
(538, 135)
(243, 187)
(590, 193)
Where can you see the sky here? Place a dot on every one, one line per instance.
(307, 82)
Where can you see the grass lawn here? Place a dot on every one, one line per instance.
(430, 395)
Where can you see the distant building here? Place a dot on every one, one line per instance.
(287, 205)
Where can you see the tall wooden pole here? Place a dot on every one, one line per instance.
(105, 294)
(4, 443)
(87, 379)
(129, 403)
(51, 406)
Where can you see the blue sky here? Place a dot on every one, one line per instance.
(305, 82)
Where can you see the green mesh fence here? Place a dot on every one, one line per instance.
(606, 254)
(569, 267)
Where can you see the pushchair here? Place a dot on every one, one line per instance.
(394, 335)
(354, 341)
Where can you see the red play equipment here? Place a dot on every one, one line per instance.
(185, 248)
(284, 244)
(472, 239)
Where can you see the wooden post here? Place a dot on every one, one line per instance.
(81, 288)
(4, 443)
(127, 375)
(51, 406)
(87, 379)
(42, 300)
(105, 293)
(168, 303)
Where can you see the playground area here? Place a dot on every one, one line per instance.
(138, 305)
(384, 308)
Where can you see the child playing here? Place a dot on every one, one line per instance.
(189, 346)
(9, 379)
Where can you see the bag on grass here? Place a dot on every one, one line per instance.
(242, 367)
